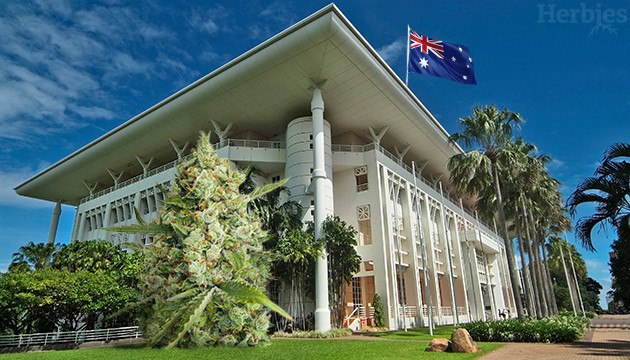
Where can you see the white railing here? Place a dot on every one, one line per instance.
(425, 311)
(265, 144)
(410, 311)
(260, 144)
(74, 337)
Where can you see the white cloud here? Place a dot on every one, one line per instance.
(62, 66)
(597, 267)
(60, 7)
(9, 179)
(393, 51)
(280, 13)
(208, 21)
(92, 112)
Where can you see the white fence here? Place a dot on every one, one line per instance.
(64, 337)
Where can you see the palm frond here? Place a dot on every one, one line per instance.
(248, 293)
(206, 297)
(262, 190)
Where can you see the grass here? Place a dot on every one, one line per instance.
(401, 345)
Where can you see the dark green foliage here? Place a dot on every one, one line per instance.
(47, 300)
(565, 328)
(85, 281)
(343, 262)
(379, 315)
(620, 267)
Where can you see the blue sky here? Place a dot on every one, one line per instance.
(72, 70)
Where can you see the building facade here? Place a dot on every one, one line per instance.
(316, 88)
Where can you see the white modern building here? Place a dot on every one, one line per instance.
(317, 104)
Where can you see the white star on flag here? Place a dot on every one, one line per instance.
(424, 62)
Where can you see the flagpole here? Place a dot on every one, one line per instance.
(407, 68)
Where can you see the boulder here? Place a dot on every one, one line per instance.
(439, 344)
(462, 342)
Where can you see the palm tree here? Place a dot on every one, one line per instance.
(608, 190)
(490, 130)
(551, 220)
(32, 256)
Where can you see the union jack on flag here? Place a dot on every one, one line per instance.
(425, 44)
(439, 58)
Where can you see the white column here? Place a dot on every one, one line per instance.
(54, 223)
(320, 184)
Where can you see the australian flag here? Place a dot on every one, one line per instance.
(439, 58)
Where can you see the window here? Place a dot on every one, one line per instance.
(400, 278)
(360, 175)
(365, 225)
(356, 292)
(275, 179)
(114, 216)
(368, 265)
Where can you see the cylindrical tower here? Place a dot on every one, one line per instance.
(299, 165)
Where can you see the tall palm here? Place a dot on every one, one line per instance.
(525, 171)
(608, 190)
(550, 219)
(32, 256)
(489, 130)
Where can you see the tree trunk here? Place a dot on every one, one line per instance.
(533, 260)
(526, 274)
(549, 283)
(516, 286)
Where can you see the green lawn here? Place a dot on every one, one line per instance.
(397, 345)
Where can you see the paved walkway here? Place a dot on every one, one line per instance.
(608, 339)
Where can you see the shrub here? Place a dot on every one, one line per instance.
(332, 333)
(548, 330)
(379, 316)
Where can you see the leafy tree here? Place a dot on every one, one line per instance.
(206, 268)
(475, 171)
(48, 300)
(295, 266)
(32, 257)
(100, 255)
(343, 262)
(620, 270)
(591, 289)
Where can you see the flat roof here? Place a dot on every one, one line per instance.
(263, 90)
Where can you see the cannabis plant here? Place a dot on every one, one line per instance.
(205, 268)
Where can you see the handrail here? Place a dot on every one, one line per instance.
(349, 317)
(76, 337)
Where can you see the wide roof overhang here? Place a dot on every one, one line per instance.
(263, 89)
